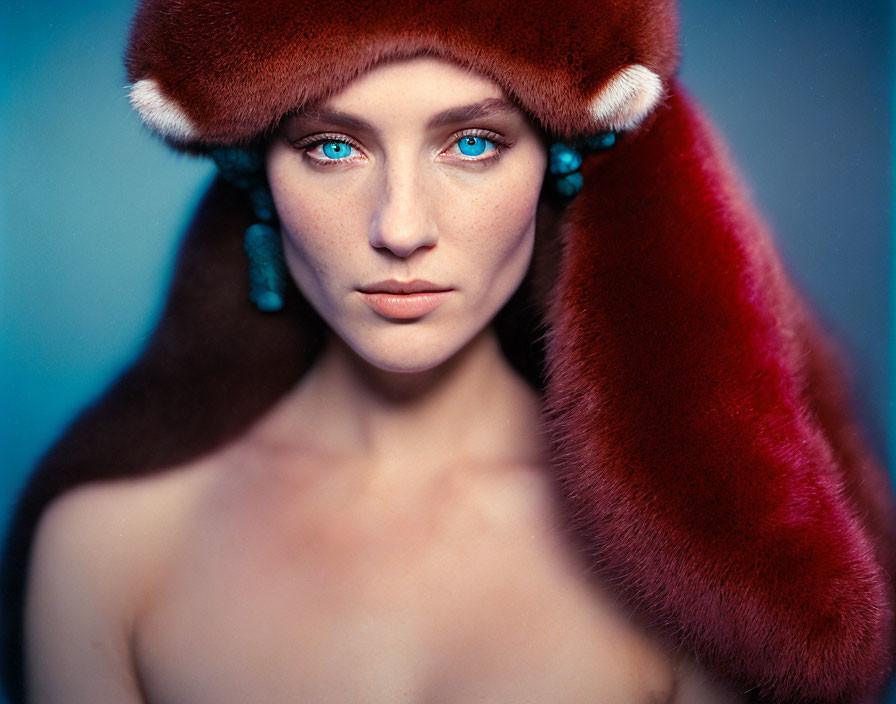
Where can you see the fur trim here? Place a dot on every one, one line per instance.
(627, 99)
(237, 67)
(161, 113)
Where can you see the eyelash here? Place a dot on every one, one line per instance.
(309, 143)
(501, 144)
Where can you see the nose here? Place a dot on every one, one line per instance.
(402, 222)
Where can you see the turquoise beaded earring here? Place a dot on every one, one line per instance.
(244, 168)
(565, 162)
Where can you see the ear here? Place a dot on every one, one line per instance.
(693, 413)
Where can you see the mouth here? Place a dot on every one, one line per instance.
(404, 300)
(404, 287)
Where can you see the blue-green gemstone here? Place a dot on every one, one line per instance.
(241, 167)
(564, 159)
(237, 160)
(262, 202)
(267, 270)
(569, 185)
(267, 301)
(605, 140)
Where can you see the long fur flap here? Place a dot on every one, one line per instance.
(700, 455)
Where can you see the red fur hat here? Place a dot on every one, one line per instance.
(703, 443)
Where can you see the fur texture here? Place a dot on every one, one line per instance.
(234, 68)
(627, 98)
(704, 448)
(687, 427)
(161, 113)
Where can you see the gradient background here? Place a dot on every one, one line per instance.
(91, 207)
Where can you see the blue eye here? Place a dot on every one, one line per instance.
(336, 150)
(473, 146)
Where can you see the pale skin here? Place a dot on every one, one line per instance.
(387, 532)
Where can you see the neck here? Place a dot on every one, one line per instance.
(472, 408)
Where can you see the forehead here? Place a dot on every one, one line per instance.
(421, 75)
(424, 91)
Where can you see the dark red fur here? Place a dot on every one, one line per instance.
(704, 445)
(685, 399)
(236, 67)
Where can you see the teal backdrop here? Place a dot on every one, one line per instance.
(91, 206)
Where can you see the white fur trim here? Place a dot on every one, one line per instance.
(627, 98)
(160, 112)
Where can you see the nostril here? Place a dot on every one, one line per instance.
(402, 248)
(404, 237)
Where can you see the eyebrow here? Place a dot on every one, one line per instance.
(486, 108)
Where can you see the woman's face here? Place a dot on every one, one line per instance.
(407, 205)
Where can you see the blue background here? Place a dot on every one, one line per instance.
(91, 206)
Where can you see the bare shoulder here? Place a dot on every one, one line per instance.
(107, 529)
(94, 553)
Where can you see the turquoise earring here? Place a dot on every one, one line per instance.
(565, 162)
(244, 168)
(267, 272)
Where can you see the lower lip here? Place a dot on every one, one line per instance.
(405, 306)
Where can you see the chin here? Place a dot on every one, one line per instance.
(406, 366)
(408, 349)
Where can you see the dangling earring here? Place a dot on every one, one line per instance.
(244, 168)
(565, 162)
(267, 273)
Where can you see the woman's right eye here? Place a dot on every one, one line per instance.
(328, 151)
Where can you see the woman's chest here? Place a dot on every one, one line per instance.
(459, 605)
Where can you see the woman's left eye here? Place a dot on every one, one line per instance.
(473, 146)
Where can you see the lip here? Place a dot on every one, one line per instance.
(395, 286)
(404, 300)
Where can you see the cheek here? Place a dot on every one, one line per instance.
(320, 226)
(496, 225)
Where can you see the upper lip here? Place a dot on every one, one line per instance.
(393, 286)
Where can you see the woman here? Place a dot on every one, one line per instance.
(362, 519)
